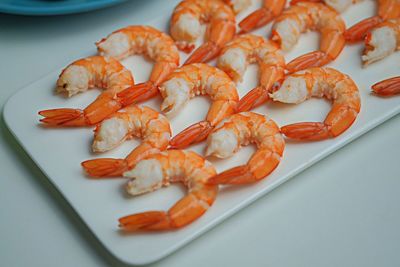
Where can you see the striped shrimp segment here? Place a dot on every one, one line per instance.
(198, 79)
(388, 87)
(81, 75)
(134, 121)
(160, 170)
(320, 82)
(247, 49)
(241, 129)
(270, 9)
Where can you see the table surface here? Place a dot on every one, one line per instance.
(343, 211)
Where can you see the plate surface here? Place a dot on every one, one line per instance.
(58, 152)
(40, 7)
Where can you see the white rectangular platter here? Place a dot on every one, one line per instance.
(59, 152)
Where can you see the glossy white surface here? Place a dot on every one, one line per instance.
(271, 235)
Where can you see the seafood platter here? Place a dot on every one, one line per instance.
(204, 110)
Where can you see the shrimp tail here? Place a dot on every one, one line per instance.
(312, 59)
(185, 211)
(204, 53)
(144, 220)
(63, 116)
(103, 106)
(138, 93)
(311, 131)
(257, 19)
(358, 31)
(387, 87)
(236, 175)
(192, 134)
(106, 167)
(252, 99)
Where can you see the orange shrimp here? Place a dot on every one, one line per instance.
(186, 27)
(122, 43)
(241, 129)
(299, 18)
(262, 16)
(246, 49)
(142, 122)
(382, 41)
(95, 71)
(146, 40)
(320, 82)
(388, 87)
(198, 79)
(387, 9)
(162, 169)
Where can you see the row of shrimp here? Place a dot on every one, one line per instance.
(160, 159)
(286, 31)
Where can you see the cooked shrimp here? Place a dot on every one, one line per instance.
(338, 5)
(95, 71)
(162, 169)
(186, 27)
(198, 79)
(133, 121)
(238, 5)
(381, 41)
(315, 16)
(262, 16)
(388, 87)
(241, 129)
(246, 49)
(320, 82)
(387, 9)
(124, 42)
(152, 43)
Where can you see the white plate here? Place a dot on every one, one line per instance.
(58, 152)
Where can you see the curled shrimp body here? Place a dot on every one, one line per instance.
(133, 121)
(381, 41)
(387, 9)
(270, 9)
(186, 27)
(148, 41)
(246, 49)
(320, 82)
(301, 17)
(198, 79)
(79, 76)
(162, 169)
(241, 129)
